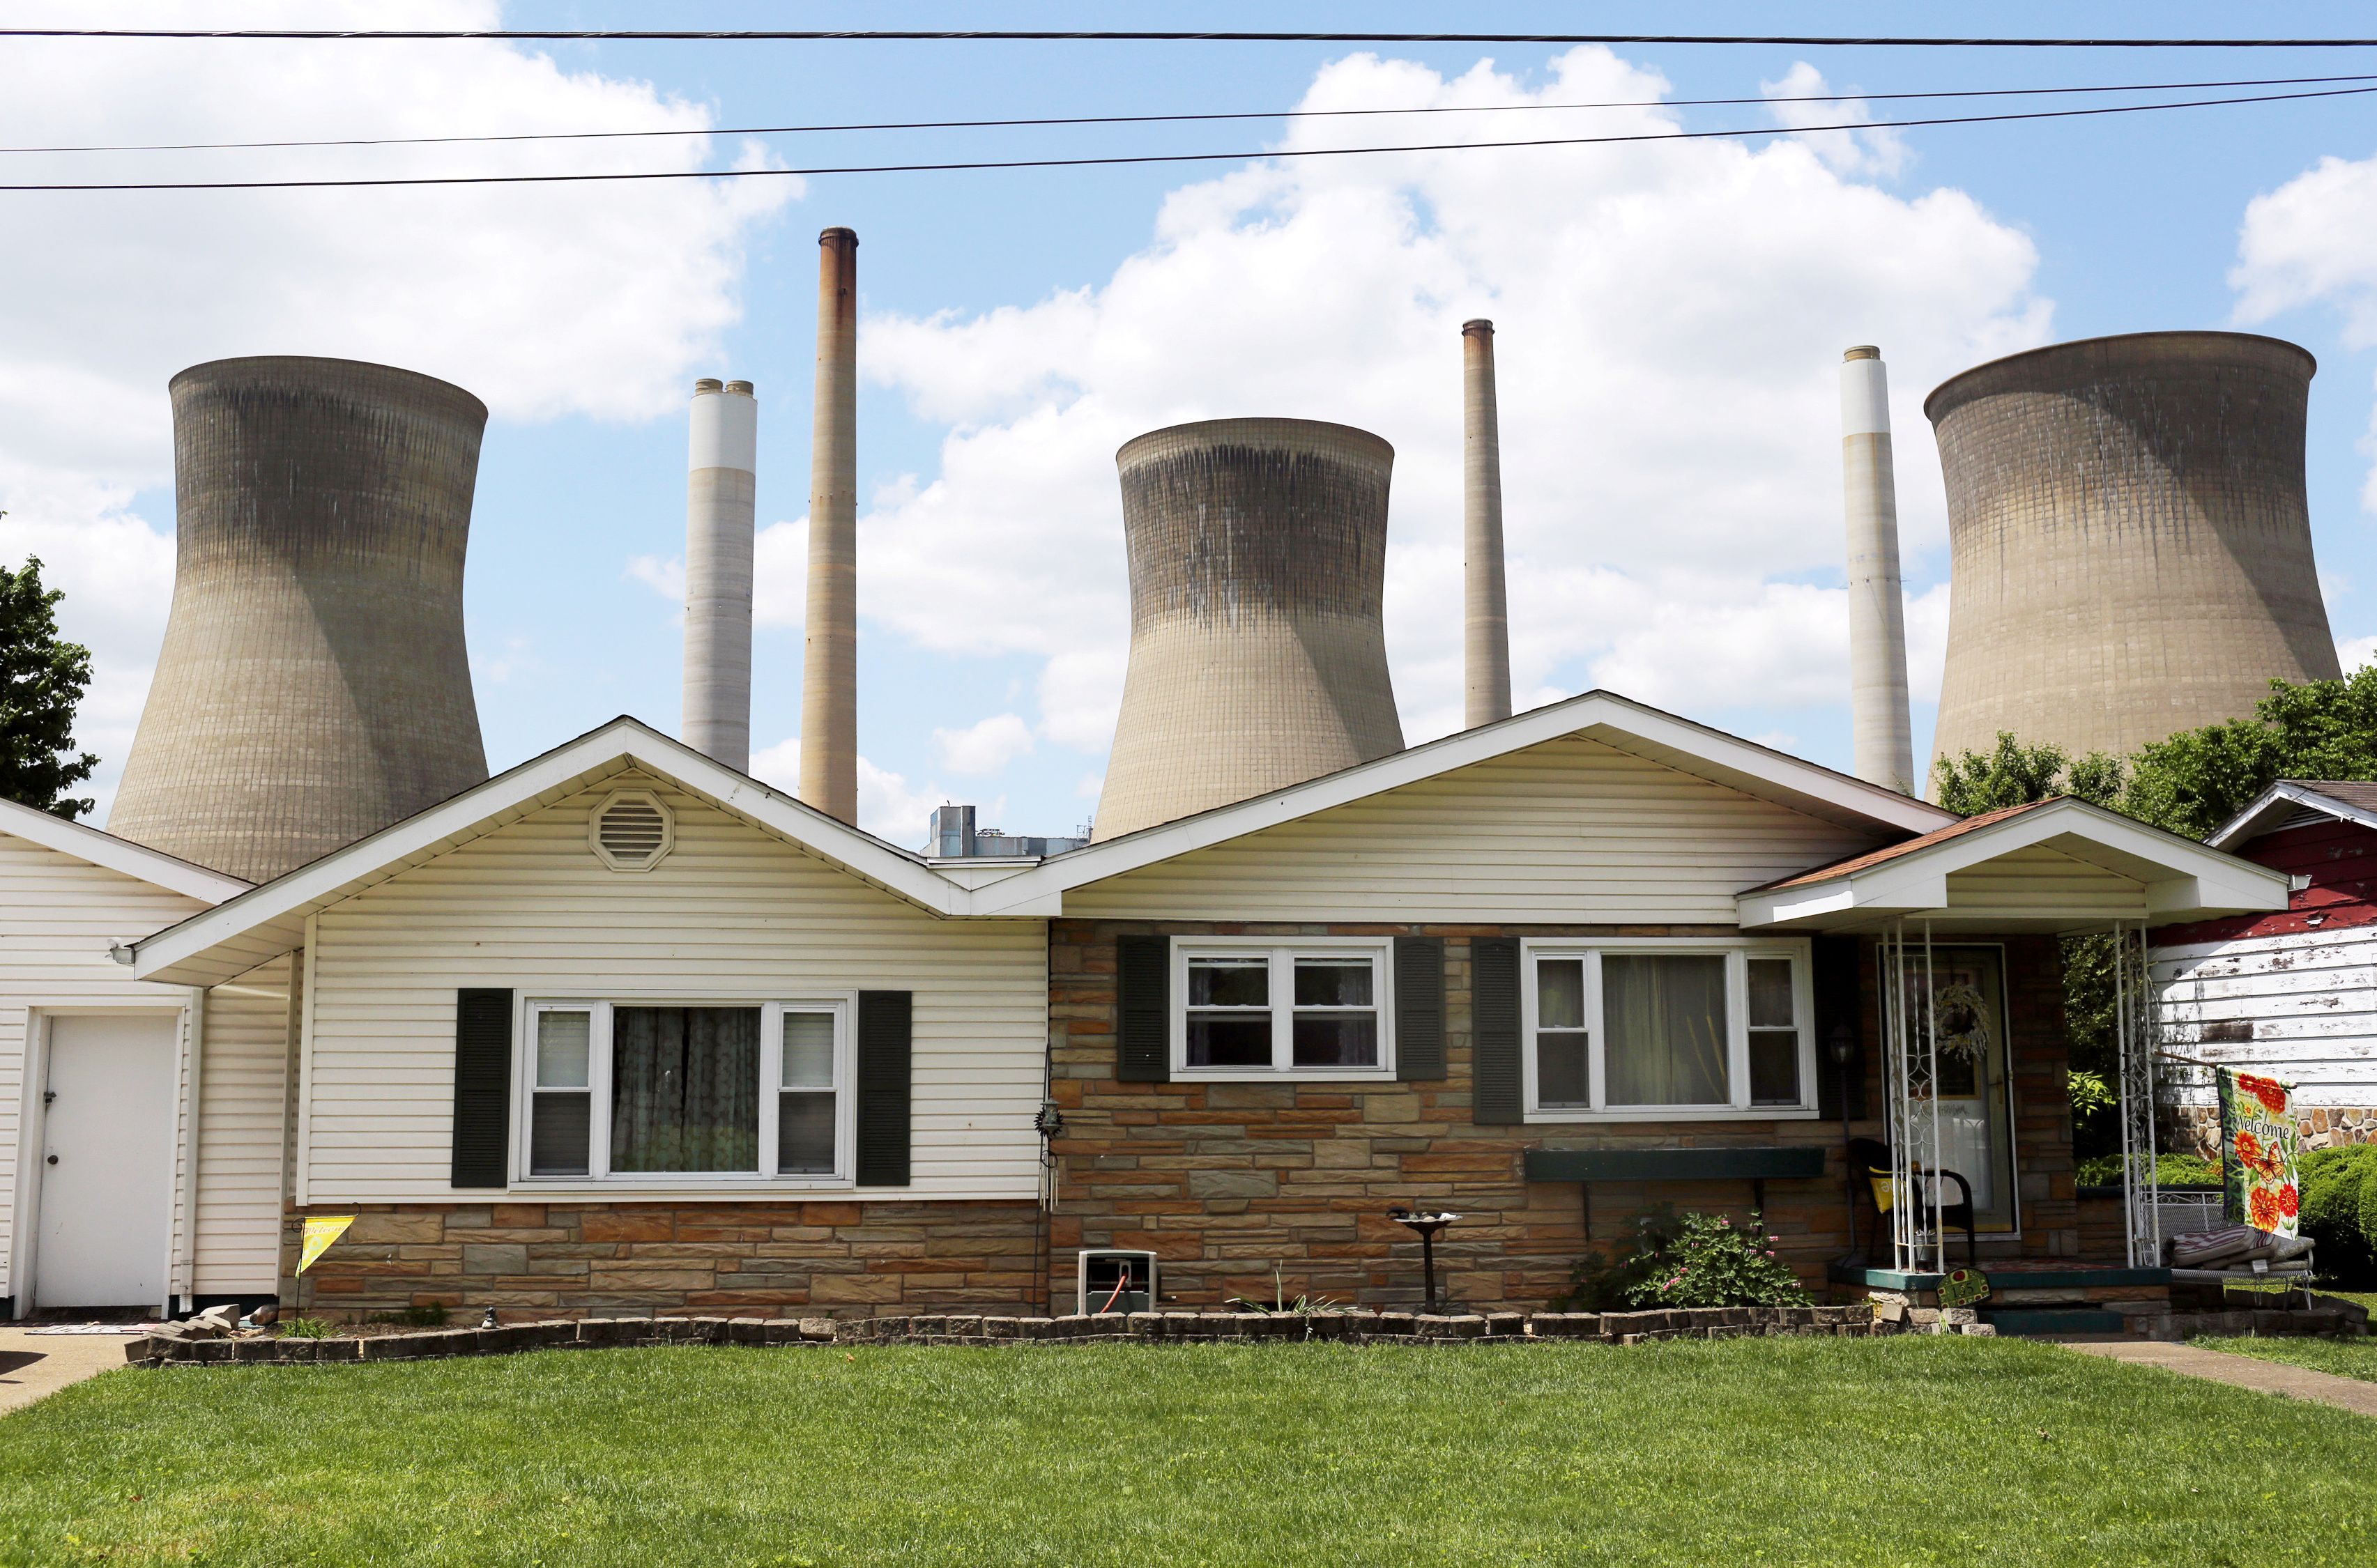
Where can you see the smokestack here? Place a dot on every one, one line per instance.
(1485, 620)
(829, 659)
(722, 491)
(1883, 736)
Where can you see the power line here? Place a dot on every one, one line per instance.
(1175, 119)
(621, 35)
(1167, 157)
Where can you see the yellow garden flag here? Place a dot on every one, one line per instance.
(321, 1229)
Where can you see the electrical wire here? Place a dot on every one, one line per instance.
(916, 35)
(980, 164)
(1176, 119)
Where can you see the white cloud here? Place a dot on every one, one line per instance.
(597, 300)
(1671, 321)
(2356, 653)
(665, 577)
(2313, 241)
(984, 747)
(1878, 151)
(887, 807)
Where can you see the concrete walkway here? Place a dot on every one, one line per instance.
(33, 1365)
(2242, 1371)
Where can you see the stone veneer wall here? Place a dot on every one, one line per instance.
(2196, 1129)
(1226, 1182)
(580, 1259)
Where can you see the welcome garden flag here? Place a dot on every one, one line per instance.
(2257, 1152)
(321, 1229)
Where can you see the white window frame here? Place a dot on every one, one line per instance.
(1737, 952)
(1282, 953)
(843, 1005)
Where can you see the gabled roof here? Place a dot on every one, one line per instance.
(1606, 717)
(2162, 878)
(122, 855)
(271, 920)
(2346, 801)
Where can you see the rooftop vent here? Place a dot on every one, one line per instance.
(632, 831)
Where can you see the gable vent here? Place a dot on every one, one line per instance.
(632, 831)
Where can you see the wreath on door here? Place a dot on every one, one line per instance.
(1961, 1018)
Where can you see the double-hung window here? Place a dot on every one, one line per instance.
(654, 1092)
(1256, 1008)
(1668, 1031)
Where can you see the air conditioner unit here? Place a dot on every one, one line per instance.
(1115, 1280)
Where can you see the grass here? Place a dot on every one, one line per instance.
(2345, 1358)
(1802, 1451)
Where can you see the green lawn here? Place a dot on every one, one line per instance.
(1888, 1452)
(2349, 1358)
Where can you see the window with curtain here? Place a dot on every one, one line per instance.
(1637, 1030)
(639, 1091)
(1243, 1008)
(685, 1088)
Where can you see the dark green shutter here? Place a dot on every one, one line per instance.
(1419, 1008)
(1142, 1009)
(885, 1047)
(1497, 1094)
(1838, 1005)
(483, 1087)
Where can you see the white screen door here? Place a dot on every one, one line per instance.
(107, 1162)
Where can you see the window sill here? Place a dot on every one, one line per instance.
(1679, 1113)
(696, 1181)
(1290, 1075)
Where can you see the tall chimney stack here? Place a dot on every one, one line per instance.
(1883, 735)
(722, 493)
(1486, 619)
(829, 659)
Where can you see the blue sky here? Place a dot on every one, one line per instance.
(1691, 563)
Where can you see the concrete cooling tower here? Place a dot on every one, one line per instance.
(1258, 653)
(2130, 543)
(314, 686)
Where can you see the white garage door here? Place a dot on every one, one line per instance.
(107, 1162)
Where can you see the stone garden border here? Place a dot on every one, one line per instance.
(1133, 1328)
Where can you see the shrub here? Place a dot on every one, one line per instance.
(2340, 1211)
(2170, 1171)
(1692, 1259)
(304, 1328)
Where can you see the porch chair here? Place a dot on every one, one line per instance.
(1870, 1159)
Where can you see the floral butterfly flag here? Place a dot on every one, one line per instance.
(2258, 1140)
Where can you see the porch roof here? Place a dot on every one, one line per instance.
(2055, 865)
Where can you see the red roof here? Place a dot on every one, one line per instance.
(1872, 858)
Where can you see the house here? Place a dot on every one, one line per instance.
(624, 1031)
(2291, 992)
(114, 1191)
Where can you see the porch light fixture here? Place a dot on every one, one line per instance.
(1427, 1223)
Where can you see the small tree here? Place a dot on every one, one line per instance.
(2015, 774)
(2195, 780)
(43, 678)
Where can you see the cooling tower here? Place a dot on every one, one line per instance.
(722, 498)
(1257, 656)
(313, 686)
(2130, 543)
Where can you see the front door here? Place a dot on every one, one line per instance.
(107, 1162)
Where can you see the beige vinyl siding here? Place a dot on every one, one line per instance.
(1572, 831)
(2307, 999)
(2037, 881)
(57, 916)
(242, 1074)
(731, 914)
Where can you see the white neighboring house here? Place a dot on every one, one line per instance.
(2293, 994)
(108, 1197)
